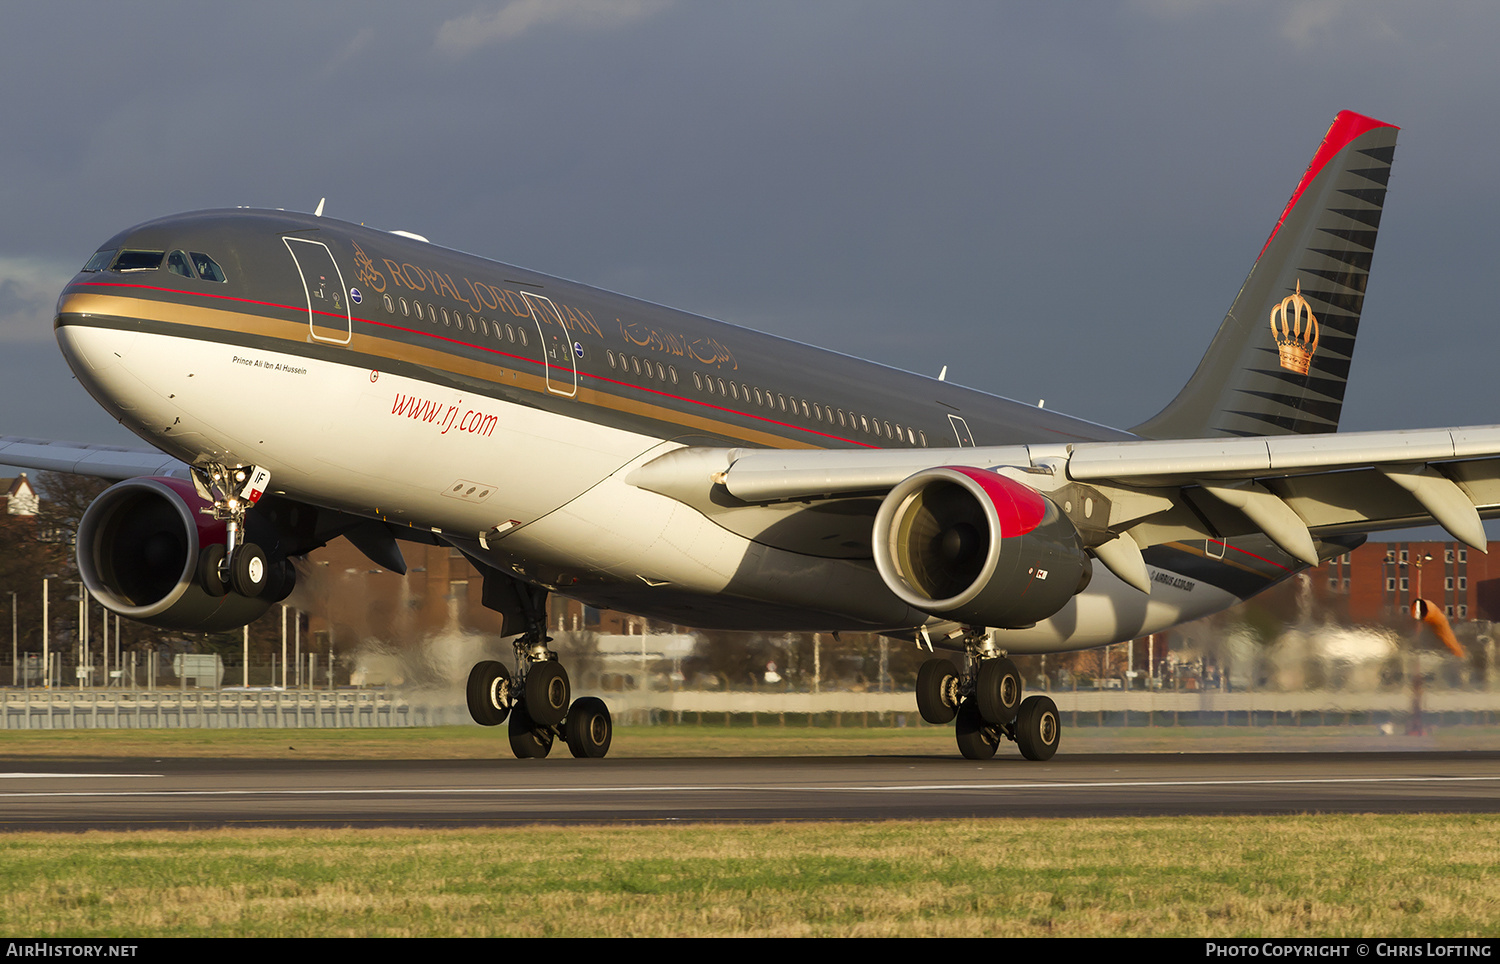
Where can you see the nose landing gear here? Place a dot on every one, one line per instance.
(237, 565)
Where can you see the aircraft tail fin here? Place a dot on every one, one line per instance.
(1280, 360)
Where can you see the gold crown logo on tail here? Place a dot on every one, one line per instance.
(1296, 331)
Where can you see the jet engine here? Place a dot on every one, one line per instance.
(139, 545)
(978, 548)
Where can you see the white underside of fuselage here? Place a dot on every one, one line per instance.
(537, 493)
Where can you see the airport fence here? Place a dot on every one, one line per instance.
(227, 708)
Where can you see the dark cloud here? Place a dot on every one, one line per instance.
(1056, 201)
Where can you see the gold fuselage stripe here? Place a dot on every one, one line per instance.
(298, 331)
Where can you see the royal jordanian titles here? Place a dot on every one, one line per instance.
(301, 378)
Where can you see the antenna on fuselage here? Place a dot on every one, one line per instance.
(319, 212)
(943, 374)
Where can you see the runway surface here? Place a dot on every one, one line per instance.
(186, 793)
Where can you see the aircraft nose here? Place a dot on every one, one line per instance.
(93, 349)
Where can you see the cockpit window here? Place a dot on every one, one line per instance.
(100, 259)
(208, 268)
(138, 260)
(177, 263)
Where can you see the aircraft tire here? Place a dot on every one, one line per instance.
(528, 741)
(937, 691)
(210, 570)
(997, 690)
(976, 740)
(589, 728)
(281, 582)
(1038, 728)
(488, 693)
(249, 571)
(547, 692)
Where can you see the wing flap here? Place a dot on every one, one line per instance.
(1161, 462)
(1271, 515)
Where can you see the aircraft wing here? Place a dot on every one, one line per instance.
(1121, 496)
(101, 461)
(1126, 496)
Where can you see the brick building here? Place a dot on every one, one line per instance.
(344, 593)
(1378, 581)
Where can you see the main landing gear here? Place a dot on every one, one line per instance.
(985, 704)
(538, 704)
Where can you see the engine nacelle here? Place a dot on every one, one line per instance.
(138, 549)
(978, 548)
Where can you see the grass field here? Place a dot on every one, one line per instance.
(1361, 875)
(1422, 876)
(473, 742)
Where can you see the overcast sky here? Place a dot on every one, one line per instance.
(1056, 201)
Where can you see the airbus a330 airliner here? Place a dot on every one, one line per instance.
(301, 378)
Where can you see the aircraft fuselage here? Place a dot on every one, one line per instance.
(505, 410)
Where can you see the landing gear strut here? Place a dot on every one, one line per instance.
(236, 564)
(985, 703)
(538, 703)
